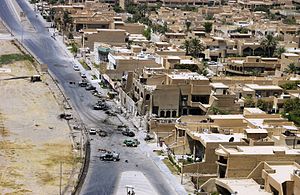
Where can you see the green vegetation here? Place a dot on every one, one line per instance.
(289, 21)
(85, 65)
(278, 51)
(242, 30)
(292, 69)
(209, 17)
(191, 67)
(290, 85)
(208, 27)
(269, 44)
(10, 58)
(193, 47)
(217, 110)
(189, 8)
(292, 110)
(171, 167)
(147, 33)
(264, 105)
(118, 9)
(74, 48)
(249, 102)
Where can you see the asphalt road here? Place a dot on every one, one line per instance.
(102, 177)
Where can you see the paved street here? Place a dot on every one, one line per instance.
(102, 177)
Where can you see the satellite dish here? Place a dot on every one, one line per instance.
(231, 139)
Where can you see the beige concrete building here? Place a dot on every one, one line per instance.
(230, 158)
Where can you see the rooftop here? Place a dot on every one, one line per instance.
(263, 87)
(219, 86)
(242, 186)
(282, 172)
(187, 75)
(217, 137)
(258, 150)
(226, 117)
(249, 131)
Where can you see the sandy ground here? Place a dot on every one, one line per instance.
(33, 140)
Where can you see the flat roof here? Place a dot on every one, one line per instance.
(263, 87)
(291, 54)
(254, 110)
(229, 116)
(217, 137)
(282, 172)
(256, 131)
(187, 75)
(242, 186)
(219, 85)
(261, 150)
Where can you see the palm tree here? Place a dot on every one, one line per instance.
(269, 43)
(279, 51)
(292, 69)
(186, 45)
(196, 47)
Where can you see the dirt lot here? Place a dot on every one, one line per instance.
(33, 140)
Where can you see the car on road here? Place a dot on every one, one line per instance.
(76, 68)
(110, 113)
(148, 138)
(131, 142)
(110, 156)
(90, 87)
(83, 83)
(92, 131)
(128, 133)
(102, 133)
(83, 75)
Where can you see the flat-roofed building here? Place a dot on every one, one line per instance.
(239, 161)
(252, 65)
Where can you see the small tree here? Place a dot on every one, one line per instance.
(208, 27)
(279, 51)
(188, 24)
(249, 102)
(147, 33)
(269, 43)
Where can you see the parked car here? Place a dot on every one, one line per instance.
(76, 67)
(102, 133)
(83, 75)
(83, 83)
(131, 142)
(110, 113)
(148, 138)
(92, 131)
(110, 156)
(128, 133)
(90, 87)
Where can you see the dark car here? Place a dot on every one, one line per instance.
(110, 156)
(83, 83)
(110, 113)
(128, 133)
(131, 142)
(90, 87)
(102, 133)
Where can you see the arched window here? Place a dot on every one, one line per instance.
(148, 97)
(162, 113)
(168, 114)
(174, 113)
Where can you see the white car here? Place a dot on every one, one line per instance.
(83, 75)
(93, 131)
(76, 68)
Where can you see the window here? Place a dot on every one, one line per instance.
(162, 113)
(155, 110)
(168, 114)
(147, 96)
(142, 95)
(204, 99)
(174, 113)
